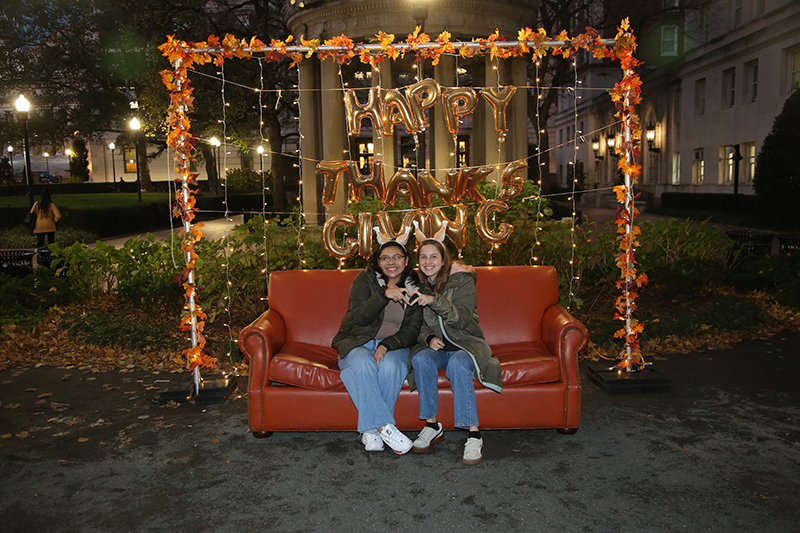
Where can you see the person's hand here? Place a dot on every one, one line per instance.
(417, 298)
(461, 267)
(379, 353)
(436, 343)
(398, 294)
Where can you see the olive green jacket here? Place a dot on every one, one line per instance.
(452, 316)
(365, 315)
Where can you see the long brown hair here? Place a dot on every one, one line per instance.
(441, 277)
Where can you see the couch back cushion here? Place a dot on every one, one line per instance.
(311, 302)
(511, 302)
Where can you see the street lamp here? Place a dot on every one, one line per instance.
(596, 148)
(136, 126)
(11, 156)
(23, 106)
(213, 141)
(261, 159)
(650, 135)
(111, 147)
(47, 161)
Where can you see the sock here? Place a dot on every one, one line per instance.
(475, 434)
(433, 425)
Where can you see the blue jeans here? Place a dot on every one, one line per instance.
(459, 365)
(374, 389)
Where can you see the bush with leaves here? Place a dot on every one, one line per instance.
(777, 176)
(246, 179)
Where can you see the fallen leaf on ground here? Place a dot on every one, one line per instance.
(45, 395)
(22, 434)
(83, 439)
(11, 406)
(215, 440)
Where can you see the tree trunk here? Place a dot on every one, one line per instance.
(145, 183)
(280, 163)
(211, 167)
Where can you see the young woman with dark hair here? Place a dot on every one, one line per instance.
(374, 341)
(47, 214)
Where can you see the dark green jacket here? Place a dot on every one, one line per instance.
(452, 316)
(365, 315)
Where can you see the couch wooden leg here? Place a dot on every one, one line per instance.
(262, 434)
(567, 431)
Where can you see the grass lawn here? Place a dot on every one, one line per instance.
(75, 201)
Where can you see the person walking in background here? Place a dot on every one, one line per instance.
(450, 338)
(47, 214)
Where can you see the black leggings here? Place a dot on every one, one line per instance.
(51, 237)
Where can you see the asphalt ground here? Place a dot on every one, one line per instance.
(719, 452)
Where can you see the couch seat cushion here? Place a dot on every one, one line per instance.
(526, 363)
(308, 366)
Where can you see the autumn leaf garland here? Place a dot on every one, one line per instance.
(626, 95)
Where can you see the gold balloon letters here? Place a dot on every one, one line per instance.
(391, 107)
(457, 186)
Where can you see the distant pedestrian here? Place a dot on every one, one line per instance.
(47, 214)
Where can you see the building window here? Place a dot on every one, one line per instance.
(762, 4)
(700, 97)
(728, 87)
(752, 80)
(676, 168)
(726, 166)
(737, 13)
(669, 4)
(247, 158)
(669, 41)
(365, 156)
(698, 167)
(462, 155)
(794, 70)
(748, 152)
(130, 160)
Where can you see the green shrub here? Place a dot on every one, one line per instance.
(247, 178)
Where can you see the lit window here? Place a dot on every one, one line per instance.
(698, 167)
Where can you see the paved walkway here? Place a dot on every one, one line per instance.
(212, 229)
(720, 452)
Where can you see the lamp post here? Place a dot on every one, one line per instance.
(111, 147)
(213, 141)
(47, 161)
(11, 156)
(736, 156)
(23, 106)
(135, 127)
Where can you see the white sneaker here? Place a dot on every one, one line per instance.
(427, 438)
(372, 442)
(395, 439)
(473, 451)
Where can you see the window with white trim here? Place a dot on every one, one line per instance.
(748, 151)
(700, 96)
(669, 40)
(698, 167)
(728, 87)
(751, 70)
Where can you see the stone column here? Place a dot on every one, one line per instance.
(443, 146)
(384, 145)
(309, 147)
(484, 111)
(332, 126)
(517, 113)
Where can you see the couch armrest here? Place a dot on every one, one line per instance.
(564, 336)
(260, 341)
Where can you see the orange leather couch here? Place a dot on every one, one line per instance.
(294, 382)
